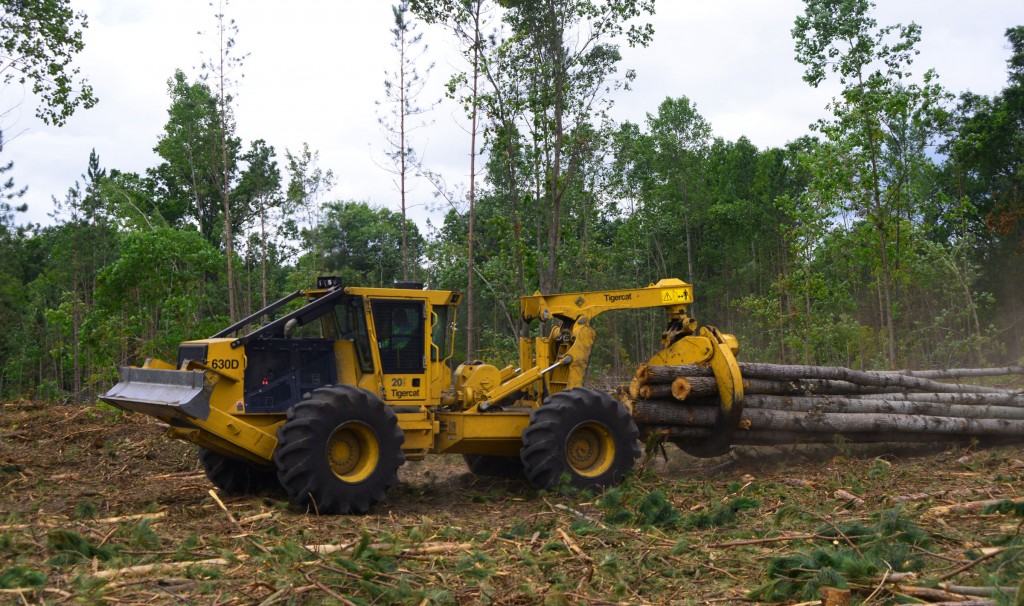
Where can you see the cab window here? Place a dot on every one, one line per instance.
(400, 334)
(351, 322)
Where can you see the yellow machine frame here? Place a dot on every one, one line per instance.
(487, 409)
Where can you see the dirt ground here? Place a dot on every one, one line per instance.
(98, 507)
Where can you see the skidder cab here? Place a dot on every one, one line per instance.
(328, 400)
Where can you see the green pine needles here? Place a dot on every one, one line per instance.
(859, 555)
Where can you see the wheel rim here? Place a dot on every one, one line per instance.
(590, 449)
(353, 452)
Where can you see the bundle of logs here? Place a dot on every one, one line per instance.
(786, 404)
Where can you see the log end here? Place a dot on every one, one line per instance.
(681, 388)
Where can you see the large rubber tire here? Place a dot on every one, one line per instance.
(494, 466)
(339, 451)
(583, 434)
(238, 477)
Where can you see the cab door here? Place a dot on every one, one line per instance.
(401, 327)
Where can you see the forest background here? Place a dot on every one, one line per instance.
(894, 236)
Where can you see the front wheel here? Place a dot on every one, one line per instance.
(339, 451)
(238, 477)
(584, 435)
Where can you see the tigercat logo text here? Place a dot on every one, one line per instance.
(614, 298)
(404, 393)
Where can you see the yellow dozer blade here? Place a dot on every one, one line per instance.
(167, 394)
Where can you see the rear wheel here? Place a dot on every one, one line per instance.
(238, 477)
(494, 465)
(339, 451)
(582, 434)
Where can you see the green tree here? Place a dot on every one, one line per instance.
(984, 190)
(259, 189)
(402, 88)
(681, 139)
(157, 294)
(466, 21)
(307, 185)
(222, 69)
(362, 243)
(550, 80)
(39, 40)
(191, 174)
(881, 123)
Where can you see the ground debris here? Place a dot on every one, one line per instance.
(98, 507)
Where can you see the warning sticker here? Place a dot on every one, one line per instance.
(676, 295)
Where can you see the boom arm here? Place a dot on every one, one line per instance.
(672, 294)
(571, 343)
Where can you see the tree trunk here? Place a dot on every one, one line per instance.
(860, 377)
(656, 412)
(760, 437)
(996, 399)
(806, 387)
(882, 404)
(960, 373)
(472, 181)
(692, 387)
(666, 374)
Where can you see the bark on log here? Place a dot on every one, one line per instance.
(761, 437)
(990, 399)
(860, 377)
(881, 404)
(655, 392)
(652, 375)
(658, 412)
(801, 387)
(960, 373)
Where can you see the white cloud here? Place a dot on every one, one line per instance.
(316, 69)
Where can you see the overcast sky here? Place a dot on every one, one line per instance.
(316, 69)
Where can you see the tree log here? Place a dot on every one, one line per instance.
(803, 387)
(694, 387)
(659, 391)
(960, 373)
(760, 437)
(860, 377)
(991, 399)
(652, 375)
(881, 404)
(659, 412)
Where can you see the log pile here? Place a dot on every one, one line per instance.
(790, 404)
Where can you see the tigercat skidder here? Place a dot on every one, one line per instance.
(329, 400)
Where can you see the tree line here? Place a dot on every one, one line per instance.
(892, 235)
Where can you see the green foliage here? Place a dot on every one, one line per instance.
(21, 577)
(1006, 507)
(71, 548)
(85, 510)
(720, 515)
(858, 554)
(40, 39)
(363, 244)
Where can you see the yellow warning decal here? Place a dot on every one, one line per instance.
(675, 295)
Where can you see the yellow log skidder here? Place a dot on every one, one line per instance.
(329, 400)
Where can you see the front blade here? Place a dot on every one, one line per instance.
(179, 394)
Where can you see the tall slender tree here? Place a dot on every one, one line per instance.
(260, 188)
(223, 70)
(307, 185)
(466, 20)
(403, 87)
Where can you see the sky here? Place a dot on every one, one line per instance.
(315, 74)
